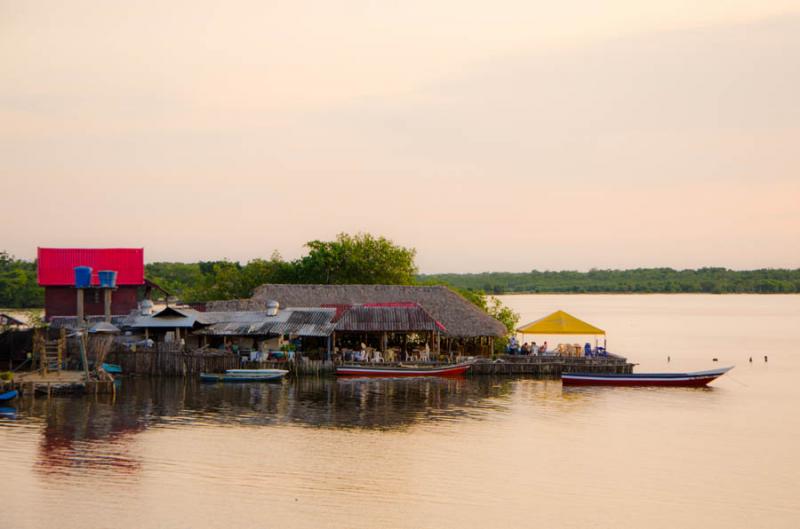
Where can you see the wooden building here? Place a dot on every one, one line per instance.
(462, 327)
(56, 273)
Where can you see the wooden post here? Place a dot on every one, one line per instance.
(80, 312)
(35, 347)
(62, 345)
(84, 356)
(43, 354)
(107, 304)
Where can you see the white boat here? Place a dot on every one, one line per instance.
(256, 371)
(244, 375)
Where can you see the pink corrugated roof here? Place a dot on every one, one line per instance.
(56, 265)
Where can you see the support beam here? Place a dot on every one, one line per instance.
(81, 313)
(107, 304)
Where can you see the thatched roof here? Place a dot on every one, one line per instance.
(460, 317)
(405, 318)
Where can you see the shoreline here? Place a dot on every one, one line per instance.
(645, 294)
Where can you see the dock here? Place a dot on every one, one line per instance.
(544, 366)
(551, 366)
(59, 383)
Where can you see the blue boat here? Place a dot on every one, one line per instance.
(8, 413)
(244, 375)
(9, 395)
(114, 369)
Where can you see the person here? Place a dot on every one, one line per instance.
(543, 348)
(526, 350)
(534, 348)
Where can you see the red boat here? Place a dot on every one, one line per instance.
(694, 379)
(453, 370)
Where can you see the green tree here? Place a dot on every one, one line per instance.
(19, 286)
(357, 259)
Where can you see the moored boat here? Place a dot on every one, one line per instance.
(452, 370)
(693, 379)
(9, 395)
(114, 369)
(244, 375)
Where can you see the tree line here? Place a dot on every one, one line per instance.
(639, 280)
(367, 259)
(19, 287)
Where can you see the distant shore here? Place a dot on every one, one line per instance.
(634, 281)
(645, 294)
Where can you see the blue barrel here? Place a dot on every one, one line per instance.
(108, 278)
(83, 276)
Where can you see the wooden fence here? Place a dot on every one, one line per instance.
(170, 360)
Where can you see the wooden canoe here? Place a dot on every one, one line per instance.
(244, 375)
(452, 370)
(693, 379)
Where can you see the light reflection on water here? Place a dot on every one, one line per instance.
(475, 452)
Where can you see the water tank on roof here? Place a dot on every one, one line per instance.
(146, 307)
(83, 276)
(108, 278)
(272, 308)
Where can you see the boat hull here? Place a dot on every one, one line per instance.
(9, 395)
(114, 369)
(245, 375)
(457, 370)
(696, 379)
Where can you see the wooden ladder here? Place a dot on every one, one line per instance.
(54, 355)
(51, 353)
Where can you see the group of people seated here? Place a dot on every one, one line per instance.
(392, 354)
(526, 349)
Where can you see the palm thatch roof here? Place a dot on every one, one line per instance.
(461, 318)
(404, 318)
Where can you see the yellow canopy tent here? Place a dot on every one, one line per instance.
(560, 322)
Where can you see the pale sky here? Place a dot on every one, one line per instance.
(501, 136)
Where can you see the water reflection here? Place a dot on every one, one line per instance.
(96, 432)
(311, 402)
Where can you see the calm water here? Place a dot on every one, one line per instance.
(441, 453)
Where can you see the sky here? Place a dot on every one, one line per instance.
(490, 136)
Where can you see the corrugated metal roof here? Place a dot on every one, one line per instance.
(8, 319)
(289, 321)
(397, 317)
(56, 265)
(167, 318)
(71, 322)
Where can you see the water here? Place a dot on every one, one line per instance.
(480, 452)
